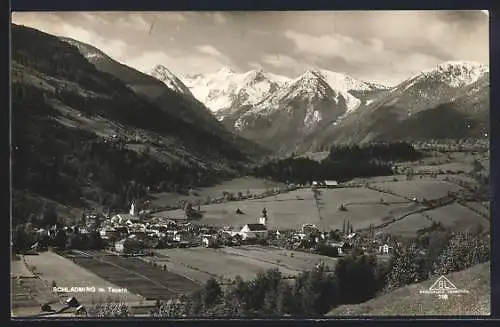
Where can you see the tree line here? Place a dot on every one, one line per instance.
(343, 163)
(68, 164)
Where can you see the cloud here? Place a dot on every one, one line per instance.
(144, 62)
(135, 22)
(279, 60)
(255, 65)
(336, 45)
(179, 65)
(208, 49)
(114, 47)
(381, 45)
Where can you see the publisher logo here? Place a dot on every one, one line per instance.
(443, 287)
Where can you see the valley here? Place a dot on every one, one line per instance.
(227, 193)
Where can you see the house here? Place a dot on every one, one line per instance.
(300, 236)
(309, 229)
(109, 233)
(209, 241)
(351, 235)
(122, 218)
(83, 230)
(254, 231)
(384, 249)
(120, 246)
(182, 236)
(127, 245)
(331, 184)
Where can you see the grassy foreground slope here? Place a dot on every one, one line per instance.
(408, 301)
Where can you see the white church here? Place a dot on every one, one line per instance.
(128, 218)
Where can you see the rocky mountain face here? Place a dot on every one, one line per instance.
(277, 111)
(450, 101)
(226, 90)
(322, 107)
(162, 73)
(164, 90)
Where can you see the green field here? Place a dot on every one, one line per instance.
(421, 189)
(291, 210)
(408, 225)
(244, 261)
(136, 275)
(50, 267)
(253, 185)
(458, 217)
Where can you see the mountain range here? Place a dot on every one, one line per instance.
(87, 129)
(321, 107)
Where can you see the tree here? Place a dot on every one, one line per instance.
(212, 293)
(49, 215)
(60, 238)
(356, 278)
(317, 198)
(407, 267)
(409, 174)
(21, 239)
(284, 301)
(95, 242)
(463, 251)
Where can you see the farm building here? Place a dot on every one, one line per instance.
(123, 217)
(384, 249)
(325, 184)
(331, 184)
(254, 231)
(127, 245)
(209, 241)
(109, 233)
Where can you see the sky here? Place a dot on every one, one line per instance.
(377, 46)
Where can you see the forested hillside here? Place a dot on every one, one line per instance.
(60, 153)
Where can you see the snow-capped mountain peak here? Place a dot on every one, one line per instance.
(226, 70)
(454, 73)
(89, 52)
(162, 73)
(226, 89)
(343, 82)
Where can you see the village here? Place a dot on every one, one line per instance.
(138, 232)
(167, 245)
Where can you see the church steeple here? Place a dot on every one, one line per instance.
(132, 209)
(263, 219)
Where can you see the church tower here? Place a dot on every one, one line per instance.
(263, 219)
(132, 209)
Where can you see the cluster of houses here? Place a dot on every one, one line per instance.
(131, 233)
(325, 184)
(334, 243)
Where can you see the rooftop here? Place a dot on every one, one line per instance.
(256, 227)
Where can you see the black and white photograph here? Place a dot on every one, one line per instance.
(258, 164)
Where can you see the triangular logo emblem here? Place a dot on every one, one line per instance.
(442, 284)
